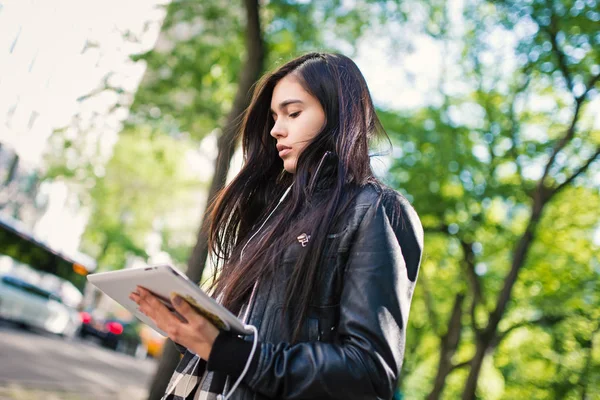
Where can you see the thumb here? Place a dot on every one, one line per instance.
(185, 309)
(181, 305)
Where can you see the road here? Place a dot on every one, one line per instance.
(38, 360)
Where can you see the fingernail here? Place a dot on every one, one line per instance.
(177, 300)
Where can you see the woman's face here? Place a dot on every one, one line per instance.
(298, 117)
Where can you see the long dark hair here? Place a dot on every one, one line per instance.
(336, 161)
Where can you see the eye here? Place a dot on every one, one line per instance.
(294, 115)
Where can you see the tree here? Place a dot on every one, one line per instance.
(226, 145)
(196, 74)
(144, 178)
(505, 196)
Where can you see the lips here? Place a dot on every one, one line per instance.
(283, 150)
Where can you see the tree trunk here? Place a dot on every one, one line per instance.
(488, 337)
(448, 348)
(476, 363)
(250, 73)
(226, 143)
(584, 378)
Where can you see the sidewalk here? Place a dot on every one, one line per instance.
(15, 391)
(36, 366)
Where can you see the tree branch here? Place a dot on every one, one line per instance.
(514, 123)
(590, 85)
(562, 65)
(461, 365)
(551, 31)
(583, 378)
(469, 265)
(540, 197)
(560, 55)
(452, 336)
(580, 171)
(448, 346)
(249, 75)
(546, 320)
(563, 142)
(510, 279)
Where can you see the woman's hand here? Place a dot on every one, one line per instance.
(196, 333)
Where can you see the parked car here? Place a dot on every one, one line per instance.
(152, 341)
(28, 304)
(113, 333)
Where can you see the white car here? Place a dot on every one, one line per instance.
(29, 304)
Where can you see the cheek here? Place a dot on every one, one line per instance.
(310, 127)
(317, 122)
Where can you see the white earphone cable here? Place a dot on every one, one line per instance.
(252, 327)
(287, 191)
(184, 373)
(249, 327)
(246, 367)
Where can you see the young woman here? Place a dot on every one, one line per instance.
(313, 251)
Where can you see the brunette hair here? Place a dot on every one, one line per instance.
(329, 169)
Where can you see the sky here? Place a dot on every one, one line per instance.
(86, 38)
(51, 53)
(39, 94)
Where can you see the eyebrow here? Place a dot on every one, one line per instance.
(286, 103)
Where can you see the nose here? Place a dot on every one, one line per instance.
(278, 130)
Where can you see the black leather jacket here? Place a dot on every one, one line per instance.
(352, 342)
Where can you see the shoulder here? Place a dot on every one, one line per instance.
(385, 207)
(377, 196)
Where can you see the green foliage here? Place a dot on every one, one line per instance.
(187, 90)
(471, 163)
(144, 180)
(471, 166)
(193, 72)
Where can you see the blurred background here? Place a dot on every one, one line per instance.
(116, 125)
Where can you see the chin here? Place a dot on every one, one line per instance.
(289, 167)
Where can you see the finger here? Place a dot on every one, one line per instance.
(188, 312)
(145, 300)
(148, 304)
(147, 295)
(143, 292)
(156, 310)
(135, 297)
(176, 327)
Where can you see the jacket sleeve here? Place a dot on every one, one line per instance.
(181, 349)
(379, 279)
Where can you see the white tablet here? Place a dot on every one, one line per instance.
(164, 281)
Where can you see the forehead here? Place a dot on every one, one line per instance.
(288, 88)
